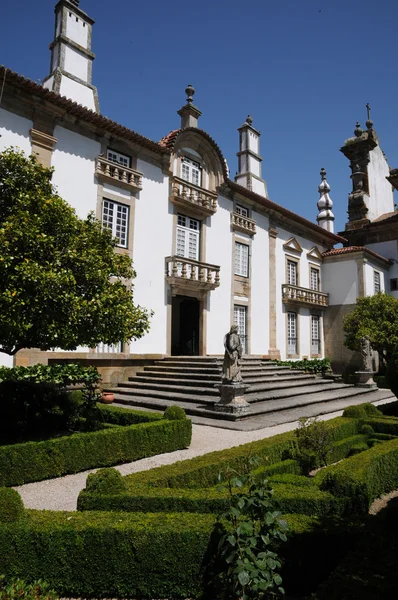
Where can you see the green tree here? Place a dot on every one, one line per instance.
(61, 283)
(374, 317)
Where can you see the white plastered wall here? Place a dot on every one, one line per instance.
(259, 334)
(153, 231)
(77, 92)
(77, 30)
(340, 280)
(76, 63)
(219, 252)
(380, 190)
(74, 162)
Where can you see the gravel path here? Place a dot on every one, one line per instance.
(61, 493)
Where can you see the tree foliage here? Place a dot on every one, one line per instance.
(374, 317)
(61, 283)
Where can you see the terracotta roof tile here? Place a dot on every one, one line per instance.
(352, 249)
(78, 110)
(386, 216)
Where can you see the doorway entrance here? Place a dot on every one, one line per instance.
(185, 326)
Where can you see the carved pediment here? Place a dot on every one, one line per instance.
(314, 254)
(292, 245)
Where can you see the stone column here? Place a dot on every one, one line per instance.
(273, 351)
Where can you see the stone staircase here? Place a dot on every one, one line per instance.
(276, 395)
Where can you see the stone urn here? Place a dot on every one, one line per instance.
(108, 397)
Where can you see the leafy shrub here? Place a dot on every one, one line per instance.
(315, 365)
(174, 413)
(314, 443)
(125, 416)
(11, 505)
(366, 429)
(106, 481)
(357, 448)
(248, 545)
(17, 589)
(362, 411)
(34, 399)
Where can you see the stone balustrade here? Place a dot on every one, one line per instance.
(185, 273)
(244, 224)
(118, 175)
(299, 295)
(189, 195)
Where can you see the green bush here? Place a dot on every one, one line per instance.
(357, 448)
(362, 411)
(106, 481)
(384, 425)
(125, 416)
(365, 476)
(11, 505)
(174, 413)
(35, 461)
(314, 365)
(366, 429)
(17, 589)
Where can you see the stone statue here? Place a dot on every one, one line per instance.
(366, 354)
(233, 353)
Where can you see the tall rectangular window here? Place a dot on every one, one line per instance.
(314, 279)
(315, 335)
(115, 217)
(187, 237)
(240, 319)
(376, 281)
(191, 171)
(291, 333)
(291, 272)
(241, 259)
(242, 210)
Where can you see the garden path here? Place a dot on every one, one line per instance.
(61, 493)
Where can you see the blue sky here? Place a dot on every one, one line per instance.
(303, 70)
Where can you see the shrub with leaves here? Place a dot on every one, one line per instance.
(174, 413)
(252, 531)
(17, 589)
(315, 365)
(314, 442)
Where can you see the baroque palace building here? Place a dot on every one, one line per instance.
(220, 251)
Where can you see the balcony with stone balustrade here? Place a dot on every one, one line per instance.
(197, 199)
(293, 294)
(118, 175)
(243, 224)
(191, 277)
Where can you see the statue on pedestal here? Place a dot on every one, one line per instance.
(366, 354)
(231, 372)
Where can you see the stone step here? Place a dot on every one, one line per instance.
(186, 380)
(161, 367)
(216, 378)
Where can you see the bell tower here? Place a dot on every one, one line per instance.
(71, 56)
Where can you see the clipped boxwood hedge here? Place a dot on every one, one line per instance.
(120, 555)
(35, 461)
(365, 476)
(125, 416)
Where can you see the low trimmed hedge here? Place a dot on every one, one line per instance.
(11, 505)
(124, 416)
(35, 461)
(384, 425)
(119, 555)
(365, 476)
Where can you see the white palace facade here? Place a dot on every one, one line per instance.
(208, 250)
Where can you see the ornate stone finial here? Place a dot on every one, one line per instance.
(325, 216)
(249, 120)
(190, 91)
(358, 130)
(369, 122)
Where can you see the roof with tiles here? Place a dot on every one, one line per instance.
(73, 108)
(352, 249)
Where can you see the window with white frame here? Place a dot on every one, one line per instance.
(187, 237)
(242, 211)
(191, 171)
(115, 217)
(315, 335)
(376, 282)
(314, 279)
(292, 272)
(109, 348)
(240, 319)
(393, 285)
(117, 157)
(291, 333)
(241, 259)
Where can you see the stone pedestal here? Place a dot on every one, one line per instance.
(366, 379)
(232, 398)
